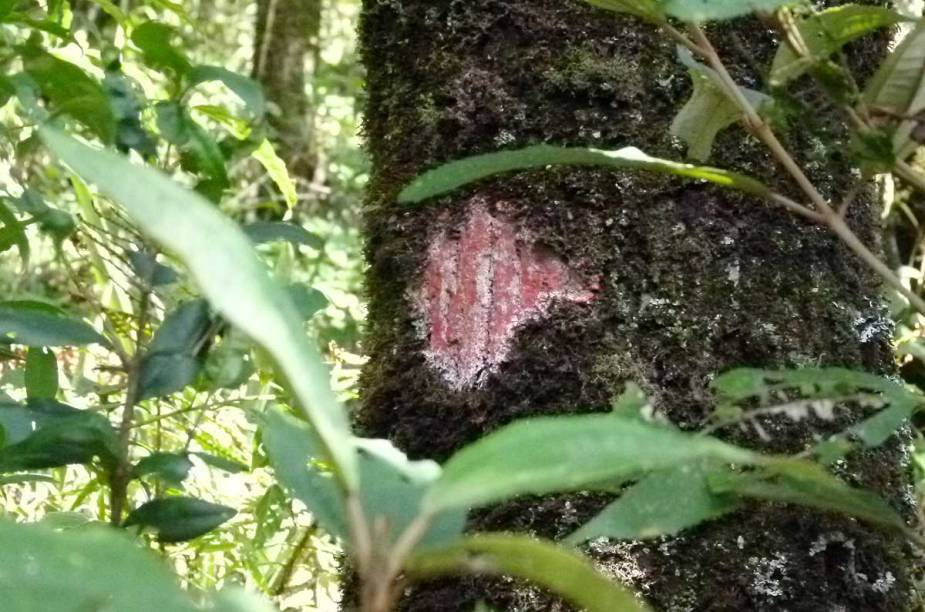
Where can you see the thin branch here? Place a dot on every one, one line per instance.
(829, 216)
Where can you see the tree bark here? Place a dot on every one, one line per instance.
(285, 51)
(546, 292)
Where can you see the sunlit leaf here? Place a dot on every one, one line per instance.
(276, 169)
(711, 10)
(229, 274)
(177, 519)
(551, 454)
(454, 175)
(561, 571)
(824, 33)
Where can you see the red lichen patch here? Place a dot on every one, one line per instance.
(480, 283)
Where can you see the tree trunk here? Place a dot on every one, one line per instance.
(546, 292)
(285, 51)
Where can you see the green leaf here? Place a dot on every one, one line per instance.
(13, 233)
(248, 90)
(228, 366)
(699, 11)
(296, 456)
(229, 274)
(228, 465)
(169, 467)
(630, 403)
(898, 88)
(392, 491)
(90, 569)
(178, 519)
(70, 91)
(826, 32)
(808, 484)
(456, 174)
(200, 153)
(126, 109)
(709, 110)
(552, 454)
(173, 360)
(749, 387)
(158, 51)
(543, 563)
(41, 373)
(307, 299)
(271, 231)
(392, 487)
(662, 503)
(150, 271)
(645, 9)
(72, 439)
(25, 323)
(266, 155)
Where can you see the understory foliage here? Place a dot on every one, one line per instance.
(179, 325)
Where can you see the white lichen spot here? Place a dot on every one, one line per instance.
(740, 542)
(734, 273)
(727, 241)
(884, 583)
(769, 575)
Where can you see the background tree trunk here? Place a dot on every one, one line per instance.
(285, 52)
(545, 292)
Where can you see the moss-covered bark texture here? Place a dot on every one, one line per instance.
(690, 281)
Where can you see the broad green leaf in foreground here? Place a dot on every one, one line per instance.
(551, 454)
(663, 503)
(177, 519)
(32, 324)
(392, 486)
(826, 32)
(77, 571)
(699, 11)
(456, 174)
(229, 274)
(543, 563)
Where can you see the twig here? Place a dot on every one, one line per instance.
(827, 215)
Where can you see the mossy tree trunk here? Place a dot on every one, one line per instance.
(545, 292)
(285, 51)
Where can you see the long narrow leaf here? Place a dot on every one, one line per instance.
(457, 174)
(564, 572)
(222, 261)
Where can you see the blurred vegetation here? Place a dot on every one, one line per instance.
(86, 258)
